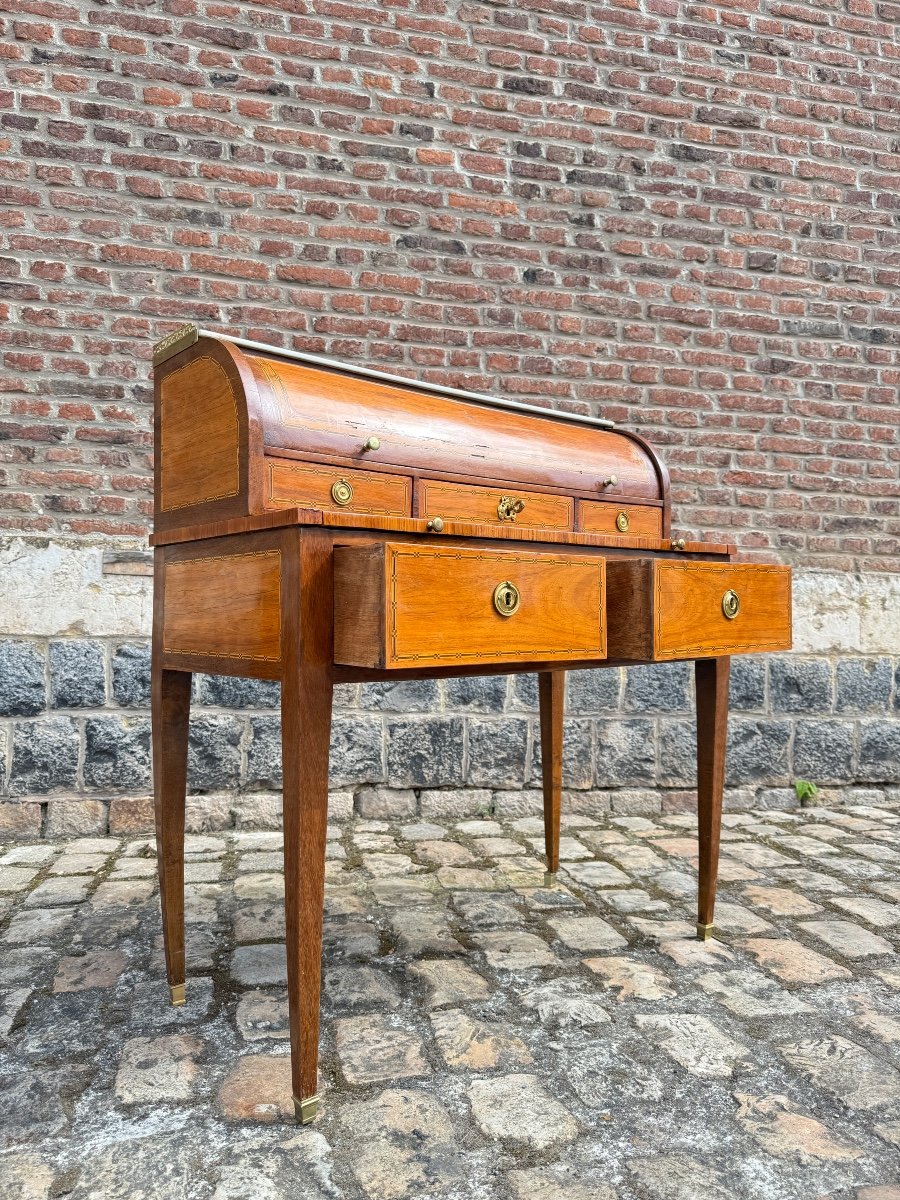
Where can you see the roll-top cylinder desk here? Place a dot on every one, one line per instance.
(318, 522)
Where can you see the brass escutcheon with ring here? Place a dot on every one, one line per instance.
(506, 598)
(731, 604)
(341, 492)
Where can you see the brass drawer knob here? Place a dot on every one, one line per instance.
(435, 525)
(509, 508)
(731, 604)
(506, 598)
(678, 544)
(610, 482)
(622, 522)
(372, 443)
(341, 492)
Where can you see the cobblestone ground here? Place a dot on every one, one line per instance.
(483, 1037)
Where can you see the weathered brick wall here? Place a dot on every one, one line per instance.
(683, 217)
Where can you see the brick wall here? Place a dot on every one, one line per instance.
(683, 216)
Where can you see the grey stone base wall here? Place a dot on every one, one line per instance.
(75, 739)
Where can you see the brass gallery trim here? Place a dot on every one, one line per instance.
(173, 343)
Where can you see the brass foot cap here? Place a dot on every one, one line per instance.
(549, 879)
(306, 1110)
(704, 932)
(176, 992)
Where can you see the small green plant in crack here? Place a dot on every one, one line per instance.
(806, 791)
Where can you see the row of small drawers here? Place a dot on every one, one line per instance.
(415, 604)
(376, 493)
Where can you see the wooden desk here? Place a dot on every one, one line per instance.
(317, 523)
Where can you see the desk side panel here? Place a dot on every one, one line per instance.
(222, 609)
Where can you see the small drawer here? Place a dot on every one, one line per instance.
(399, 604)
(494, 506)
(660, 609)
(624, 520)
(289, 483)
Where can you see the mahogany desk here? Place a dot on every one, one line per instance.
(316, 523)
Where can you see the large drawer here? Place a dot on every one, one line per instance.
(406, 605)
(660, 609)
(313, 486)
(494, 506)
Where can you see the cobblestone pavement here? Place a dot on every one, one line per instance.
(483, 1037)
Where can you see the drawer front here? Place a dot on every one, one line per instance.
(333, 488)
(662, 609)
(406, 605)
(624, 520)
(459, 502)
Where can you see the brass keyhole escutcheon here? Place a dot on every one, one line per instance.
(731, 604)
(509, 508)
(341, 492)
(506, 598)
(622, 522)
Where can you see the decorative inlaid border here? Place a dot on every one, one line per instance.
(704, 648)
(187, 562)
(162, 449)
(456, 489)
(331, 475)
(500, 559)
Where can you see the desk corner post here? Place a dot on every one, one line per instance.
(170, 706)
(551, 697)
(711, 677)
(306, 698)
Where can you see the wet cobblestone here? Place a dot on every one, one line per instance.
(484, 1037)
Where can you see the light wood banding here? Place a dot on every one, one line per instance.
(660, 609)
(374, 494)
(399, 604)
(457, 502)
(224, 606)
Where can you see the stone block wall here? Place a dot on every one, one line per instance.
(75, 739)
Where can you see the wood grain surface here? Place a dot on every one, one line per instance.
(659, 609)
(402, 604)
(199, 439)
(374, 493)
(224, 606)
(458, 502)
(600, 517)
(323, 412)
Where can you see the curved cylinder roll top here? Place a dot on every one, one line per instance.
(227, 415)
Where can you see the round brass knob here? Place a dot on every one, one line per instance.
(611, 482)
(678, 544)
(372, 443)
(731, 604)
(506, 598)
(435, 525)
(622, 522)
(341, 492)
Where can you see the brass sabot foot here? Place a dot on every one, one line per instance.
(306, 1110)
(549, 879)
(176, 992)
(704, 932)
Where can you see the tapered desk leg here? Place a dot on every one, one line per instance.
(306, 696)
(170, 713)
(711, 677)
(551, 693)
